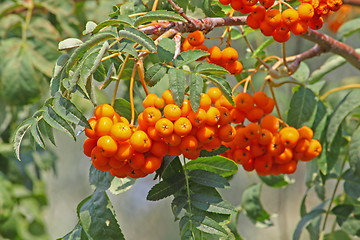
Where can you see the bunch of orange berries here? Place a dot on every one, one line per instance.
(115, 146)
(279, 24)
(227, 58)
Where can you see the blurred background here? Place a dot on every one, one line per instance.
(141, 219)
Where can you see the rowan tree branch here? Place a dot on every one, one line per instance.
(352, 2)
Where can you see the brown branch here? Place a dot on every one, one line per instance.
(180, 11)
(352, 2)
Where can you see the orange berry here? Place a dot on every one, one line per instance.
(260, 99)
(288, 168)
(322, 9)
(289, 136)
(241, 140)
(206, 133)
(159, 103)
(316, 23)
(192, 155)
(273, 17)
(213, 145)
(186, 46)
(249, 2)
(225, 116)
(108, 145)
(90, 132)
(227, 133)
(120, 131)
(196, 38)
(299, 28)
(159, 148)
(266, 29)
(263, 165)
(103, 126)
(137, 160)
(267, 3)
(237, 5)
(89, 145)
(281, 37)
(199, 118)
(237, 116)
(172, 140)
(141, 121)
(252, 131)
(225, 2)
(265, 137)
(290, 16)
(246, 9)
(302, 145)
(306, 132)
(269, 107)
(122, 171)
(229, 55)
(149, 100)
(212, 116)
(252, 22)
(313, 150)
(168, 97)
(152, 163)
(257, 150)
(104, 110)
(284, 157)
(164, 126)
(117, 118)
(98, 158)
(249, 165)
(241, 156)
(182, 126)
(259, 12)
(185, 108)
(205, 101)
(223, 102)
(276, 147)
(244, 102)
(174, 150)
(214, 93)
(115, 163)
(151, 115)
(271, 123)
(255, 114)
(153, 133)
(188, 144)
(215, 55)
(234, 67)
(140, 141)
(305, 11)
(124, 152)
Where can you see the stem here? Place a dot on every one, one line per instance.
(131, 91)
(111, 56)
(118, 79)
(187, 185)
(325, 95)
(334, 192)
(284, 56)
(276, 104)
(140, 68)
(155, 5)
(25, 26)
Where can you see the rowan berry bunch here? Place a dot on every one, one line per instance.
(273, 20)
(116, 146)
(194, 41)
(262, 144)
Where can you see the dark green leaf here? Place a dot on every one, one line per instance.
(187, 57)
(208, 225)
(58, 72)
(344, 108)
(354, 153)
(172, 169)
(69, 43)
(46, 130)
(74, 111)
(19, 136)
(302, 108)
(276, 181)
(260, 49)
(352, 185)
(159, 15)
(253, 207)
(211, 203)
(207, 178)
(177, 85)
(81, 50)
(166, 50)
(100, 180)
(210, 68)
(35, 132)
(166, 188)
(351, 226)
(348, 28)
(302, 73)
(196, 87)
(154, 74)
(342, 212)
(120, 185)
(218, 151)
(121, 20)
(139, 37)
(337, 235)
(216, 164)
(75, 234)
(57, 122)
(178, 204)
(97, 217)
(123, 108)
(304, 221)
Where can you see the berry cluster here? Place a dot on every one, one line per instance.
(279, 24)
(227, 58)
(115, 146)
(194, 41)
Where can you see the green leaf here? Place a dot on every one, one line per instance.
(70, 108)
(259, 50)
(178, 203)
(223, 85)
(81, 50)
(211, 203)
(57, 122)
(354, 153)
(218, 151)
(100, 180)
(277, 181)
(196, 87)
(120, 185)
(69, 43)
(304, 221)
(253, 207)
(159, 15)
(348, 28)
(47, 130)
(187, 57)
(216, 164)
(166, 188)
(207, 178)
(123, 107)
(352, 226)
(172, 169)
(302, 73)
(58, 73)
(337, 235)
(35, 132)
(349, 103)
(89, 28)
(208, 225)
(154, 74)
(139, 37)
(19, 136)
(352, 185)
(302, 107)
(121, 20)
(97, 217)
(75, 234)
(166, 50)
(205, 67)
(177, 85)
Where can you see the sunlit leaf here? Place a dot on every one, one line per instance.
(69, 43)
(216, 164)
(139, 37)
(154, 74)
(177, 85)
(196, 87)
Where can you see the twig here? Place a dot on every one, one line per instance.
(180, 11)
(352, 2)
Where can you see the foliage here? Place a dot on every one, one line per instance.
(39, 92)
